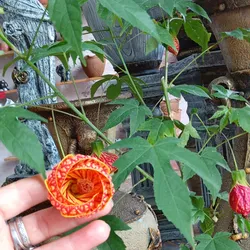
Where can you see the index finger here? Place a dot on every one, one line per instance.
(19, 196)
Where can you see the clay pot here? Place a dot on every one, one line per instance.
(228, 15)
(44, 2)
(95, 67)
(4, 47)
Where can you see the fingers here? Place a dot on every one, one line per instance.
(47, 223)
(21, 195)
(86, 238)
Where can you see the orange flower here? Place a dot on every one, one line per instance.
(80, 186)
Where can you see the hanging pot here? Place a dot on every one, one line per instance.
(134, 48)
(228, 15)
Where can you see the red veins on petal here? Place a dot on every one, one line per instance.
(80, 186)
(239, 199)
(109, 159)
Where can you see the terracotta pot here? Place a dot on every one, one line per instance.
(227, 15)
(95, 67)
(44, 2)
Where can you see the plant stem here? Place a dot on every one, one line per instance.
(32, 102)
(69, 104)
(203, 124)
(58, 111)
(144, 173)
(77, 93)
(156, 104)
(57, 134)
(194, 60)
(82, 116)
(4, 39)
(231, 138)
(126, 70)
(165, 85)
(231, 149)
(205, 144)
(36, 34)
(66, 101)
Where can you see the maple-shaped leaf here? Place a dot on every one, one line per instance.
(207, 226)
(198, 209)
(241, 117)
(211, 158)
(224, 112)
(114, 242)
(159, 128)
(221, 92)
(220, 241)
(188, 131)
(182, 6)
(131, 108)
(190, 89)
(20, 140)
(171, 194)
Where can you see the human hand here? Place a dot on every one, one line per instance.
(44, 224)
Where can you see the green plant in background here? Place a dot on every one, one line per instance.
(172, 195)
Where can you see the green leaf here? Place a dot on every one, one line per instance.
(158, 129)
(169, 188)
(81, 2)
(115, 223)
(191, 89)
(168, 6)
(241, 116)
(94, 47)
(197, 32)
(221, 112)
(241, 223)
(220, 241)
(188, 131)
(198, 209)
(196, 9)
(224, 121)
(1, 11)
(99, 83)
(67, 17)
(212, 158)
(131, 12)
(207, 226)
(223, 196)
(114, 242)
(130, 109)
(210, 154)
(234, 33)
(183, 247)
(175, 26)
(114, 90)
(135, 86)
(247, 224)
(19, 139)
(239, 34)
(224, 93)
(151, 45)
(7, 65)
